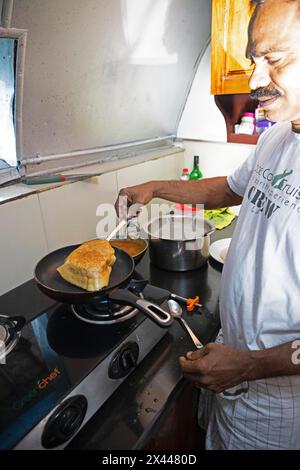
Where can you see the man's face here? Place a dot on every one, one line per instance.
(274, 47)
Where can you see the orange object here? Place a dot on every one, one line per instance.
(191, 303)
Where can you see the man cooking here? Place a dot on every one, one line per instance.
(252, 381)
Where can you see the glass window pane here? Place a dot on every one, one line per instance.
(7, 96)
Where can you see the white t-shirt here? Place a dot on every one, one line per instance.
(260, 289)
(259, 301)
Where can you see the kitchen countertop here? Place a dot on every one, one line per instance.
(127, 419)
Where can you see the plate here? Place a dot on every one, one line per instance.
(217, 247)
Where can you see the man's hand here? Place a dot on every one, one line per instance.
(217, 367)
(140, 195)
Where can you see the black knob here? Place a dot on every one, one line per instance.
(128, 360)
(124, 361)
(69, 421)
(64, 422)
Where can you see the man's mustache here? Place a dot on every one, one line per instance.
(264, 91)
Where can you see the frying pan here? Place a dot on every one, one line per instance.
(53, 285)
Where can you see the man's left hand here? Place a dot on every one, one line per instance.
(217, 367)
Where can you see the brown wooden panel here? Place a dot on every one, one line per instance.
(231, 69)
(232, 107)
(242, 139)
(178, 428)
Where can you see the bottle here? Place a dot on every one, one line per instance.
(259, 113)
(185, 176)
(247, 124)
(263, 125)
(196, 173)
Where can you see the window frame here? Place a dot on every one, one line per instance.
(20, 35)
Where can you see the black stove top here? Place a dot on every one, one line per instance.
(54, 354)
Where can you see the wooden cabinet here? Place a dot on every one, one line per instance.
(177, 428)
(230, 68)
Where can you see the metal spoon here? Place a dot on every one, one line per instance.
(116, 230)
(176, 311)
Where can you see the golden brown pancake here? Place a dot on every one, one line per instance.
(89, 266)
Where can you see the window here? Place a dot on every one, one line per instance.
(12, 43)
(7, 93)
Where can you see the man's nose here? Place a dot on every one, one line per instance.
(260, 77)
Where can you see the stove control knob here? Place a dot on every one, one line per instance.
(124, 361)
(64, 422)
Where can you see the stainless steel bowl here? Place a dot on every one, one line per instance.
(179, 242)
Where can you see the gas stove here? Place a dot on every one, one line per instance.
(64, 363)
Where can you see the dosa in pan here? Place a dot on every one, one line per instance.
(89, 266)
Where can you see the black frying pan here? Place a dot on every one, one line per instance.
(53, 285)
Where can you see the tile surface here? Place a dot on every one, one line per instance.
(69, 212)
(22, 241)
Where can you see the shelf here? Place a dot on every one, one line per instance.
(232, 107)
(242, 138)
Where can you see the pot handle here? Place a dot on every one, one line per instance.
(210, 232)
(154, 312)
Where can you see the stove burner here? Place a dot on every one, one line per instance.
(103, 312)
(3, 334)
(10, 332)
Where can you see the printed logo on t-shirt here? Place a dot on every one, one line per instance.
(279, 181)
(269, 192)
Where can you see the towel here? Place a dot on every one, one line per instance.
(221, 218)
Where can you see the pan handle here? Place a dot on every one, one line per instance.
(154, 312)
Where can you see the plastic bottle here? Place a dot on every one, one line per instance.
(185, 175)
(247, 124)
(259, 113)
(237, 128)
(263, 125)
(196, 173)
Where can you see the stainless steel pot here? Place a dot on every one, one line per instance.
(179, 242)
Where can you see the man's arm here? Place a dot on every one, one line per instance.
(219, 367)
(212, 192)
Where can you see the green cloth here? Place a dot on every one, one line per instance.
(219, 217)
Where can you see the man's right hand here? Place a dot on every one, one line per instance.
(140, 195)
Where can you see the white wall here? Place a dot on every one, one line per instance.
(201, 119)
(103, 72)
(22, 241)
(216, 159)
